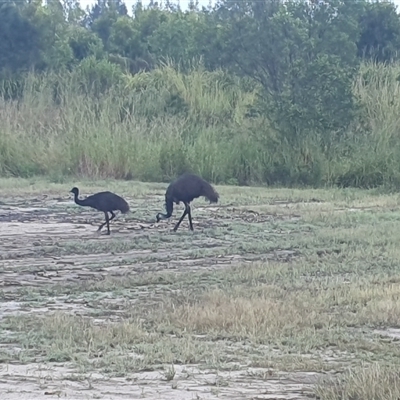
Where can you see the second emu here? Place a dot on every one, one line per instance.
(107, 202)
(184, 189)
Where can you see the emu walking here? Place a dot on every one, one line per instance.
(184, 189)
(106, 202)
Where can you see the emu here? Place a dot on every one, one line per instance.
(106, 202)
(184, 189)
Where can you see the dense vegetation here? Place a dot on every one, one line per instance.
(274, 91)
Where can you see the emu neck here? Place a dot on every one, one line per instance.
(78, 201)
(169, 206)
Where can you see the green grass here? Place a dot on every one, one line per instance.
(279, 279)
(155, 125)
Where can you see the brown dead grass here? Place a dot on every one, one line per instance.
(266, 312)
(259, 315)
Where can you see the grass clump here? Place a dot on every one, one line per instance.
(367, 382)
(115, 348)
(115, 134)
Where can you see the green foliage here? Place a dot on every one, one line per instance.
(204, 97)
(380, 32)
(102, 17)
(125, 127)
(371, 150)
(177, 35)
(85, 44)
(302, 54)
(97, 76)
(125, 39)
(82, 132)
(244, 92)
(19, 39)
(50, 23)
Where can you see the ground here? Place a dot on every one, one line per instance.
(277, 294)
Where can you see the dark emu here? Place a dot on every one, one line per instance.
(106, 202)
(184, 189)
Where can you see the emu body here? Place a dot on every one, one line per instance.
(185, 189)
(106, 202)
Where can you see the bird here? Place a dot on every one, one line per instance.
(184, 189)
(107, 202)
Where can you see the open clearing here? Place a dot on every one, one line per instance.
(277, 294)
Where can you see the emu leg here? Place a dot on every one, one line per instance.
(190, 217)
(180, 220)
(101, 226)
(112, 217)
(107, 222)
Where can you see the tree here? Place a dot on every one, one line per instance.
(19, 39)
(380, 32)
(85, 43)
(125, 41)
(175, 36)
(52, 28)
(303, 53)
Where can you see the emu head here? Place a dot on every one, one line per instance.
(75, 191)
(160, 216)
(169, 207)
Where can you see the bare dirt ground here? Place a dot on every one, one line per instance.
(37, 382)
(32, 254)
(153, 298)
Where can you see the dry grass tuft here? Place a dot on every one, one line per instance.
(367, 382)
(259, 316)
